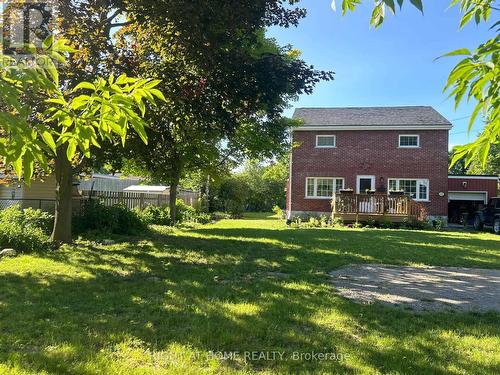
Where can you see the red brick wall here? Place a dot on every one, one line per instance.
(474, 184)
(370, 152)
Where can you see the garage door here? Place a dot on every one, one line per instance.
(468, 196)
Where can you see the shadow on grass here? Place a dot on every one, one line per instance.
(379, 246)
(225, 289)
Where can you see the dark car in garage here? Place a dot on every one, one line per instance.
(489, 216)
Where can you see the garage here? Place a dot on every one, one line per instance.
(461, 203)
(468, 194)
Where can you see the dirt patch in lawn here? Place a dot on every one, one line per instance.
(421, 289)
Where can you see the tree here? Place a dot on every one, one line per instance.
(457, 168)
(492, 166)
(224, 104)
(477, 76)
(258, 187)
(73, 118)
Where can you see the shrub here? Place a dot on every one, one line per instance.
(220, 216)
(155, 215)
(278, 211)
(324, 221)
(370, 223)
(25, 230)
(357, 225)
(337, 222)
(438, 224)
(184, 212)
(116, 219)
(387, 224)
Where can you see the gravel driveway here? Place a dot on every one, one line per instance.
(421, 289)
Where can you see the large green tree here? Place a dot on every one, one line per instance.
(40, 120)
(225, 104)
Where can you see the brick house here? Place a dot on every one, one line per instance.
(378, 149)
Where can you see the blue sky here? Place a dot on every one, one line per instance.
(393, 65)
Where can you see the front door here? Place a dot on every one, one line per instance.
(365, 183)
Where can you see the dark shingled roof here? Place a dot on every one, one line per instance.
(365, 116)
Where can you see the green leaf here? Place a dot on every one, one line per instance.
(418, 4)
(457, 52)
(139, 127)
(71, 150)
(49, 140)
(48, 42)
(84, 85)
(390, 4)
(158, 94)
(28, 164)
(466, 18)
(18, 166)
(378, 15)
(60, 101)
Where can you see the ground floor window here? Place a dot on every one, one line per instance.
(323, 187)
(416, 189)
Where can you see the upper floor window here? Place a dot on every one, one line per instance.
(323, 187)
(326, 141)
(415, 189)
(409, 141)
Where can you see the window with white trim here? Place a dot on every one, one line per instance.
(326, 141)
(415, 189)
(409, 141)
(323, 187)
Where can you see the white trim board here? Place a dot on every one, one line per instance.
(372, 127)
(470, 192)
(475, 177)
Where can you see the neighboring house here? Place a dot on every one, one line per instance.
(105, 182)
(378, 149)
(39, 194)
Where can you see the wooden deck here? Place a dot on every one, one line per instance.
(378, 207)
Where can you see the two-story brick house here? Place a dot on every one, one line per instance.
(369, 149)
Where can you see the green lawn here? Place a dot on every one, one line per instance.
(160, 304)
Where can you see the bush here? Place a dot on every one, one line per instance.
(220, 216)
(371, 223)
(438, 224)
(25, 230)
(116, 219)
(188, 214)
(387, 224)
(155, 215)
(337, 222)
(278, 211)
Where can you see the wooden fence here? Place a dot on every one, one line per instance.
(134, 200)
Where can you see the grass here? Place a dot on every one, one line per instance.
(162, 304)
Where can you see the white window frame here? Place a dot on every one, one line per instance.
(315, 196)
(409, 135)
(419, 181)
(326, 136)
(358, 182)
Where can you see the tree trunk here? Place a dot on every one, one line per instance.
(64, 195)
(207, 194)
(174, 184)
